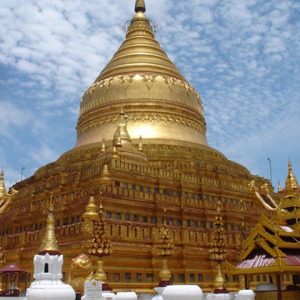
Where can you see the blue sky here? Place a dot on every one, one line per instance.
(243, 56)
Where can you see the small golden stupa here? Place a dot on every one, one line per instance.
(49, 244)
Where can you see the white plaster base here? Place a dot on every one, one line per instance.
(180, 292)
(126, 296)
(50, 290)
(218, 297)
(245, 295)
(108, 296)
(13, 298)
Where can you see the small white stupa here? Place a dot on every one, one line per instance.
(48, 263)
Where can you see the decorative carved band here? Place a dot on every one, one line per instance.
(146, 117)
(89, 102)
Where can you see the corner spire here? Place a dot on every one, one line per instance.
(49, 244)
(140, 6)
(91, 210)
(291, 182)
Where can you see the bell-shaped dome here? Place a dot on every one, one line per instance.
(141, 79)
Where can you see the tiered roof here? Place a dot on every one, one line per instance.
(274, 243)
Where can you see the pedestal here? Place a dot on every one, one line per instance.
(92, 290)
(47, 284)
(50, 290)
(245, 295)
(108, 296)
(126, 296)
(220, 296)
(180, 292)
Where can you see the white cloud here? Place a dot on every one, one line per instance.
(43, 154)
(12, 116)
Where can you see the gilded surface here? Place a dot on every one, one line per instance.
(218, 248)
(141, 78)
(172, 166)
(49, 244)
(272, 246)
(80, 269)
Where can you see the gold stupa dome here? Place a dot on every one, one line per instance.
(141, 79)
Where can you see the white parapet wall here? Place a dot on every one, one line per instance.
(13, 298)
(245, 295)
(180, 292)
(108, 296)
(220, 297)
(126, 296)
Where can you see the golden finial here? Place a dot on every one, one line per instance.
(49, 244)
(140, 6)
(91, 210)
(217, 250)
(103, 147)
(141, 148)
(101, 210)
(115, 152)
(291, 182)
(118, 142)
(105, 175)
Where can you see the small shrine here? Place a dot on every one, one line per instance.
(47, 284)
(12, 279)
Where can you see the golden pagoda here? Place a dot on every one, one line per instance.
(141, 147)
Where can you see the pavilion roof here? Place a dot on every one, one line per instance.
(12, 268)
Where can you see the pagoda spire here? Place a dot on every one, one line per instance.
(165, 247)
(100, 247)
(91, 210)
(49, 244)
(140, 6)
(2, 185)
(218, 251)
(291, 182)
